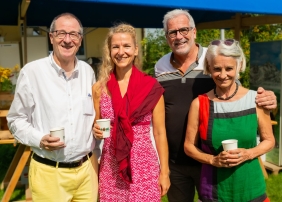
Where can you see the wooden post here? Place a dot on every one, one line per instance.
(237, 27)
(16, 175)
(263, 168)
(13, 166)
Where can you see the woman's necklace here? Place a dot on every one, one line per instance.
(228, 98)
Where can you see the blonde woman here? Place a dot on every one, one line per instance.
(129, 169)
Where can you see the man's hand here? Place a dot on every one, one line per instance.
(51, 143)
(266, 99)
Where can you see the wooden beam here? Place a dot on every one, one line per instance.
(262, 20)
(24, 7)
(216, 24)
(12, 166)
(6, 96)
(6, 135)
(16, 174)
(262, 168)
(246, 21)
(237, 28)
(8, 141)
(3, 113)
(24, 41)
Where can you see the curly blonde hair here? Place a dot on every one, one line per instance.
(107, 65)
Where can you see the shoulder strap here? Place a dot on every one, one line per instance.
(204, 110)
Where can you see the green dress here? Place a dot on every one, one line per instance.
(230, 120)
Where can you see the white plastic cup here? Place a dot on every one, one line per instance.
(105, 126)
(58, 132)
(229, 144)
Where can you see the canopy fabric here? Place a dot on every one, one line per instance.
(139, 13)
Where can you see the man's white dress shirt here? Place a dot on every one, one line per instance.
(45, 99)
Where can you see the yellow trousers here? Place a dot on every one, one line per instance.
(51, 184)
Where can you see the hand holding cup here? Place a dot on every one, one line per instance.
(105, 127)
(58, 132)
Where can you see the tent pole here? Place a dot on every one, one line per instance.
(24, 7)
(24, 41)
(237, 27)
(222, 34)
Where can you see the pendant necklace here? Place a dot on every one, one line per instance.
(227, 98)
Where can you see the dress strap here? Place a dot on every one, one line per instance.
(204, 110)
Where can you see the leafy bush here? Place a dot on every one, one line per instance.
(154, 46)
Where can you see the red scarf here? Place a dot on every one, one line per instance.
(143, 93)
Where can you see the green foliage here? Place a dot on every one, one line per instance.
(154, 46)
(7, 152)
(245, 78)
(204, 37)
(7, 85)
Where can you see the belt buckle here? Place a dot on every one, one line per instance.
(77, 163)
(80, 163)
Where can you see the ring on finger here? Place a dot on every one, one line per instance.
(239, 155)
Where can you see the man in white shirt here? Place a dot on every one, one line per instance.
(56, 91)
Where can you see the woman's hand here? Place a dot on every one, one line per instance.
(220, 160)
(164, 183)
(238, 156)
(98, 134)
(231, 158)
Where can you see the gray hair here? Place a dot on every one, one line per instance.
(52, 26)
(175, 13)
(234, 51)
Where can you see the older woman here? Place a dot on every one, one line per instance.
(129, 168)
(228, 112)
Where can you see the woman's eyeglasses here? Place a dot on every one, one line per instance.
(183, 31)
(227, 42)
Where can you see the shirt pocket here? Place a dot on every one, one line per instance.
(87, 105)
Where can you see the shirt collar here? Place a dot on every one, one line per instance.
(60, 70)
(200, 52)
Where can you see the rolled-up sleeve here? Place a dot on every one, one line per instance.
(20, 114)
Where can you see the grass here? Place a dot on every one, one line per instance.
(273, 190)
(274, 187)
(165, 199)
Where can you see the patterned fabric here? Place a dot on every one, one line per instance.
(144, 164)
(142, 94)
(230, 120)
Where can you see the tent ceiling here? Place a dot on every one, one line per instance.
(139, 13)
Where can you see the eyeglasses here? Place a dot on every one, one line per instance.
(183, 31)
(227, 42)
(61, 34)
